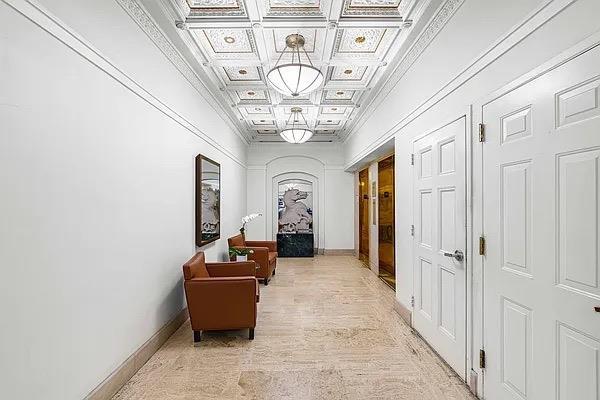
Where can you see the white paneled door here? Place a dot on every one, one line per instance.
(541, 210)
(439, 312)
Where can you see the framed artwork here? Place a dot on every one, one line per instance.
(208, 200)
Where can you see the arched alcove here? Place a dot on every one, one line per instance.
(295, 168)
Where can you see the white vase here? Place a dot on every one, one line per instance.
(241, 258)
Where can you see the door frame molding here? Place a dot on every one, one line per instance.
(467, 114)
(476, 180)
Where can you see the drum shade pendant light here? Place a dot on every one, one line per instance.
(297, 131)
(295, 78)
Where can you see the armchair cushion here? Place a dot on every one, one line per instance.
(195, 267)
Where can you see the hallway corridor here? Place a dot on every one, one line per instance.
(326, 329)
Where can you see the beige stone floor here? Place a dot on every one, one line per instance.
(326, 330)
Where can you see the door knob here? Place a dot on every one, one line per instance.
(597, 308)
(457, 255)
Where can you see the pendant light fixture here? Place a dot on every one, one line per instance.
(296, 128)
(295, 78)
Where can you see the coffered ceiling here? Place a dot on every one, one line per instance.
(354, 43)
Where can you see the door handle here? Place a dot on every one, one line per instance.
(597, 309)
(457, 255)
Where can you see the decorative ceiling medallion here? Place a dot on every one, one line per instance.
(280, 34)
(251, 96)
(354, 74)
(360, 40)
(333, 110)
(330, 97)
(248, 74)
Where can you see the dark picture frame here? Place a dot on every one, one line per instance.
(208, 200)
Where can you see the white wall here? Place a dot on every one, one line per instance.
(474, 30)
(97, 201)
(324, 161)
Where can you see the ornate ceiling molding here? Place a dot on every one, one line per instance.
(141, 17)
(352, 42)
(439, 20)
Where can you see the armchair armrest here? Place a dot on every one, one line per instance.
(222, 269)
(269, 244)
(260, 255)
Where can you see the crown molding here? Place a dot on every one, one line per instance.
(531, 23)
(443, 14)
(49, 23)
(144, 20)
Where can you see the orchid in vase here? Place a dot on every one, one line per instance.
(247, 219)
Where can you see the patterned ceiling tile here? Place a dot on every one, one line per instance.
(342, 74)
(333, 110)
(282, 8)
(258, 110)
(293, 3)
(262, 122)
(360, 40)
(243, 74)
(229, 40)
(252, 95)
(213, 3)
(374, 3)
(329, 122)
(375, 8)
(338, 94)
(217, 8)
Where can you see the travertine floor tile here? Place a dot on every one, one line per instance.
(326, 330)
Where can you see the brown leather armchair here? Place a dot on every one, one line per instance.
(265, 255)
(220, 296)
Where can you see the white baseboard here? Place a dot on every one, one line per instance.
(120, 376)
(404, 312)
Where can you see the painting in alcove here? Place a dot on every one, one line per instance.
(295, 206)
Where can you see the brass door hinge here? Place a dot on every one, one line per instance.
(482, 359)
(481, 246)
(481, 133)
(412, 159)
(412, 230)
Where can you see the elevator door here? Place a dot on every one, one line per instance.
(363, 213)
(387, 270)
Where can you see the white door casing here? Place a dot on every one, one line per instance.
(439, 214)
(540, 180)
